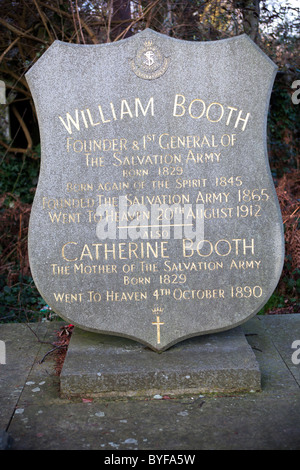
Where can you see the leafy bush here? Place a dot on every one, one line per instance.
(19, 176)
(20, 302)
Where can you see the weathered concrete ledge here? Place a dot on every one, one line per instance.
(5, 440)
(100, 365)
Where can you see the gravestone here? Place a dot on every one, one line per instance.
(4, 115)
(155, 217)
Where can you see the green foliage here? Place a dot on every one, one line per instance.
(20, 302)
(18, 176)
(286, 295)
(283, 122)
(292, 284)
(275, 301)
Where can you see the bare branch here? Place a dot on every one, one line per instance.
(21, 33)
(43, 20)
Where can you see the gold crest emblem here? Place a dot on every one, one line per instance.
(149, 63)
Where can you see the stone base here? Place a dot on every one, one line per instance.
(5, 440)
(108, 366)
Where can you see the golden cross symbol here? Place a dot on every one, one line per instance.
(158, 323)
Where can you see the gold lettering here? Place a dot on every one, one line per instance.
(67, 298)
(63, 251)
(176, 105)
(222, 247)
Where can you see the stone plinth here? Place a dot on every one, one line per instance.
(100, 365)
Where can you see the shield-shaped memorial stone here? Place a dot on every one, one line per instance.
(155, 216)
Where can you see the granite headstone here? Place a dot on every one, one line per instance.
(155, 216)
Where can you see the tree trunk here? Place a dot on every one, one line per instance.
(250, 11)
(121, 19)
